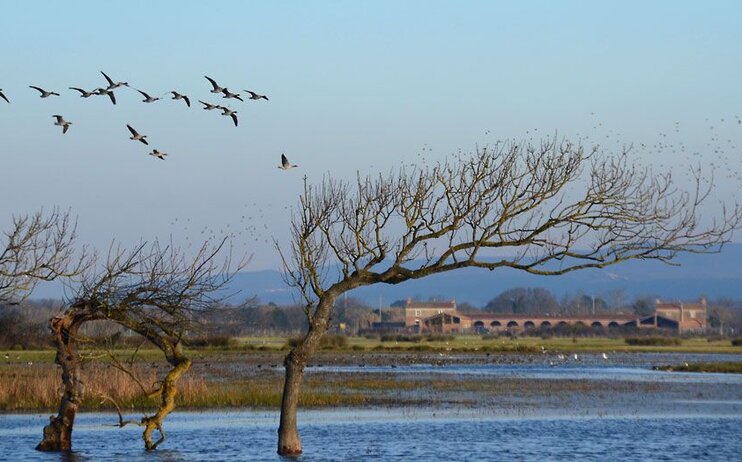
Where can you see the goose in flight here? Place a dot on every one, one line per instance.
(135, 135)
(254, 95)
(112, 84)
(106, 91)
(62, 123)
(217, 88)
(285, 164)
(229, 94)
(160, 155)
(3, 96)
(229, 112)
(84, 93)
(44, 93)
(147, 98)
(209, 107)
(177, 95)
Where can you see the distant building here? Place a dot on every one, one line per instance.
(681, 316)
(416, 312)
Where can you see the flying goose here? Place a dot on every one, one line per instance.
(135, 135)
(106, 91)
(111, 84)
(84, 93)
(147, 98)
(229, 94)
(177, 95)
(254, 95)
(3, 96)
(44, 93)
(158, 154)
(209, 107)
(62, 123)
(285, 164)
(217, 88)
(229, 112)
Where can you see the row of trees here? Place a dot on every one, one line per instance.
(554, 208)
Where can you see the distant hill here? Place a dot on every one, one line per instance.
(714, 275)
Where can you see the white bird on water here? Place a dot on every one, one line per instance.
(605, 356)
(285, 164)
(135, 135)
(62, 123)
(575, 356)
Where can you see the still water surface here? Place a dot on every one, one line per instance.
(690, 424)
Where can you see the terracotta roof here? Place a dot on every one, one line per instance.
(592, 317)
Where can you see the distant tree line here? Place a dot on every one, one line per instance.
(25, 325)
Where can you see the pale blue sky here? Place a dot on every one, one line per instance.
(353, 86)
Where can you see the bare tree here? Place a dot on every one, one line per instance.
(551, 208)
(38, 247)
(155, 291)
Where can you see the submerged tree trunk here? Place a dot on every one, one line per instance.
(168, 390)
(58, 434)
(289, 442)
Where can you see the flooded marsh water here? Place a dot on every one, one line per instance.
(522, 408)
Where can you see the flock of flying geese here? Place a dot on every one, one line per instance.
(136, 136)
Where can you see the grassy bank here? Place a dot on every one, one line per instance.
(724, 367)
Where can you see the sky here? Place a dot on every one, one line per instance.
(353, 86)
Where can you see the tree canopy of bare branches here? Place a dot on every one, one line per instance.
(154, 290)
(38, 247)
(546, 209)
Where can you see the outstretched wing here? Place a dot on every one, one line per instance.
(4, 97)
(284, 160)
(40, 90)
(213, 82)
(234, 119)
(131, 129)
(110, 82)
(188, 102)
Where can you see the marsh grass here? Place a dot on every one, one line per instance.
(722, 367)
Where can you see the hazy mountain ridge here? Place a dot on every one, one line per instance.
(711, 275)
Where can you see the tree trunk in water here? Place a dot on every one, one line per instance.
(58, 434)
(168, 391)
(289, 443)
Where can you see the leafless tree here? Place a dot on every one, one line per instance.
(154, 290)
(550, 209)
(38, 247)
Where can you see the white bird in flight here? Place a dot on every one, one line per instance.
(217, 88)
(147, 98)
(254, 95)
(177, 95)
(62, 123)
(158, 154)
(44, 93)
(112, 84)
(229, 112)
(106, 91)
(135, 135)
(209, 107)
(229, 94)
(84, 93)
(285, 164)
